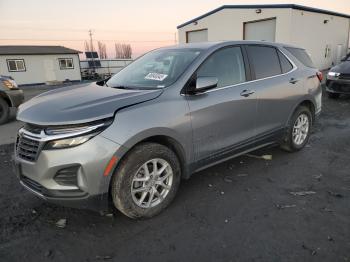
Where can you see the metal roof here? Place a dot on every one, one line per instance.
(292, 6)
(35, 50)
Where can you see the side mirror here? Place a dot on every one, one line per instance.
(102, 82)
(204, 83)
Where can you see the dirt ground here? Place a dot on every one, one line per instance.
(241, 210)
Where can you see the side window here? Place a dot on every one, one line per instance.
(264, 60)
(16, 65)
(227, 65)
(285, 64)
(66, 63)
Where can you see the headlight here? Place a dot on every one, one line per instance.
(68, 142)
(333, 74)
(73, 135)
(10, 84)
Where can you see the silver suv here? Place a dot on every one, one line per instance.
(131, 139)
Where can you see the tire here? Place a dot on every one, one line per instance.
(290, 142)
(133, 166)
(4, 111)
(333, 95)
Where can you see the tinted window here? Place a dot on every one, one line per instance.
(301, 55)
(264, 60)
(285, 64)
(227, 65)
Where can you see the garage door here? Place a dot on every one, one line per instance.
(197, 36)
(260, 30)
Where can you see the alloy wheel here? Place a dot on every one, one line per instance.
(301, 129)
(152, 183)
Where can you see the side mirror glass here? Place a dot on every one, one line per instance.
(204, 83)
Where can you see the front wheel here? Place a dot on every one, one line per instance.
(146, 180)
(298, 130)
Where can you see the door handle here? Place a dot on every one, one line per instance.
(293, 81)
(247, 93)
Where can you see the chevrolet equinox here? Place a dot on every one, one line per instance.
(129, 140)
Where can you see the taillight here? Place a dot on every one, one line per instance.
(319, 76)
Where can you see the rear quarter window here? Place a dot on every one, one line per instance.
(301, 55)
(285, 64)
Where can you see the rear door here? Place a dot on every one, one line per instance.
(276, 87)
(223, 118)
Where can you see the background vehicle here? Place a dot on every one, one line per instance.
(10, 96)
(338, 79)
(171, 113)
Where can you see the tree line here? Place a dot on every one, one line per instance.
(122, 51)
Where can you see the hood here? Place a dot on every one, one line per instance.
(343, 68)
(81, 104)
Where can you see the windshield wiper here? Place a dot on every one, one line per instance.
(123, 87)
(136, 87)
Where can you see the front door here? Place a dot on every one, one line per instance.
(50, 73)
(223, 118)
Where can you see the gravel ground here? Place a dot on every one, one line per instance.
(241, 210)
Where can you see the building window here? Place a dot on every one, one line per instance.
(16, 65)
(66, 63)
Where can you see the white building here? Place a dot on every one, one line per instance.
(39, 64)
(324, 34)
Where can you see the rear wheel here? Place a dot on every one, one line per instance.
(298, 130)
(333, 95)
(146, 180)
(4, 111)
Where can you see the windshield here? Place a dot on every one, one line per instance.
(156, 69)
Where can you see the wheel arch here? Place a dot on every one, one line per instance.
(164, 140)
(6, 98)
(307, 103)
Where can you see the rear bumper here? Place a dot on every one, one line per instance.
(338, 86)
(16, 97)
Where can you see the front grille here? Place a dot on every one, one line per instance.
(32, 184)
(27, 148)
(344, 76)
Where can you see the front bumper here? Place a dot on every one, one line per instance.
(340, 86)
(90, 158)
(16, 97)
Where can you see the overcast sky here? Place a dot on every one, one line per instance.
(144, 24)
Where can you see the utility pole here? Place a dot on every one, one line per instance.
(92, 49)
(91, 43)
